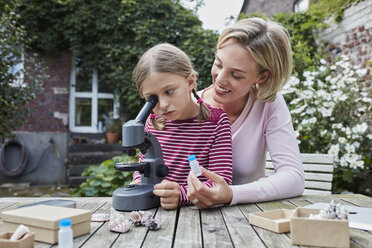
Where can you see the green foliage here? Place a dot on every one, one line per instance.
(327, 8)
(18, 86)
(115, 127)
(301, 27)
(109, 36)
(104, 179)
(331, 111)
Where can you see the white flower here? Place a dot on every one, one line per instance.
(343, 162)
(349, 148)
(322, 133)
(333, 150)
(322, 68)
(333, 67)
(361, 72)
(341, 140)
(360, 128)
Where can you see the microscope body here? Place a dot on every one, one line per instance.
(152, 168)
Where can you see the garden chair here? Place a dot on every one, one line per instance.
(318, 172)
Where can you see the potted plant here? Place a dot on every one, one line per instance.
(113, 132)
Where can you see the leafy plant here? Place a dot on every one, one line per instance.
(115, 127)
(110, 35)
(21, 75)
(331, 114)
(104, 179)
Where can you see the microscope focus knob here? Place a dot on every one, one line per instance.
(162, 171)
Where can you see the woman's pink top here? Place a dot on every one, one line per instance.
(263, 127)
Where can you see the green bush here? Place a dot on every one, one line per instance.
(104, 179)
(331, 114)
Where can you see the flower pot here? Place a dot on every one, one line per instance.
(112, 138)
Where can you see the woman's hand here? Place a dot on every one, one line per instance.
(202, 196)
(169, 193)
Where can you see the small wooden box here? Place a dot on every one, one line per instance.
(26, 241)
(314, 232)
(276, 220)
(44, 220)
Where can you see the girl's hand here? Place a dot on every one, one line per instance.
(202, 196)
(138, 181)
(169, 193)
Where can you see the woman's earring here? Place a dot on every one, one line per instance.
(257, 86)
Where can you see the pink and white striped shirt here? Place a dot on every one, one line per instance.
(209, 141)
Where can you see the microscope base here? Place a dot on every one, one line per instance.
(135, 197)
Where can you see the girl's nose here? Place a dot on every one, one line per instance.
(163, 104)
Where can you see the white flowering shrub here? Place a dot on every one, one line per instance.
(331, 113)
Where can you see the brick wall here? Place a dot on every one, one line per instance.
(352, 36)
(49, 111)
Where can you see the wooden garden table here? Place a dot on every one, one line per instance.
(188, 227)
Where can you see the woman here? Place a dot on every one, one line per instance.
(253, 61)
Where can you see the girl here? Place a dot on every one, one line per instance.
(182, 126)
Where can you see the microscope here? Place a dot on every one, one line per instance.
(152, 168)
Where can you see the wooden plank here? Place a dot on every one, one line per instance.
(318, 185)
(164, 236)
(188, 228)
(309, 167)
(97, 207)
(318, 176)
(311, 158)
(239, 228)
(308, 192)
(215, 233)
(309, 176)
(133, 238)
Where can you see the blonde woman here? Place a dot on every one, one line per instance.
(253, 61)
(182, 126)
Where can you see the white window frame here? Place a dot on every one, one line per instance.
(94, 95)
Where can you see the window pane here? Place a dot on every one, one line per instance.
(83, 112)
(105, 109)
(83, 80)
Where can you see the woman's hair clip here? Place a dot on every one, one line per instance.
(199, 100)
(152, 116)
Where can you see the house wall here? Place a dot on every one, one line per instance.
(267, 7)
(48, 120)
(352, 36)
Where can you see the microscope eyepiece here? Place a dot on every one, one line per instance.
(147, 108)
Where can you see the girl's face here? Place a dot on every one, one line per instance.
(234, 73)
(174, 93)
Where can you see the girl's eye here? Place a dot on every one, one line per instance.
(168, 92)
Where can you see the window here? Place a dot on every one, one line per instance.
(90, 101)
(301, 5)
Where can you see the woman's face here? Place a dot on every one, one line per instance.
(234, 73)
(174, 94)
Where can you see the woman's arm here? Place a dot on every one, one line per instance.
(279, 136)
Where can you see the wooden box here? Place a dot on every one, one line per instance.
(276, 220)
(44, 220)
(26, 241)
(315, 232)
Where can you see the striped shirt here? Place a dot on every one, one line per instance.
(209, 141)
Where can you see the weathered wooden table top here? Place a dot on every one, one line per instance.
(189, 227)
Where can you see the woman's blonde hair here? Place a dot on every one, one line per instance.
(268, 44)
(166, 58)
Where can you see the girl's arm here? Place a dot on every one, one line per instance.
(220, 157)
